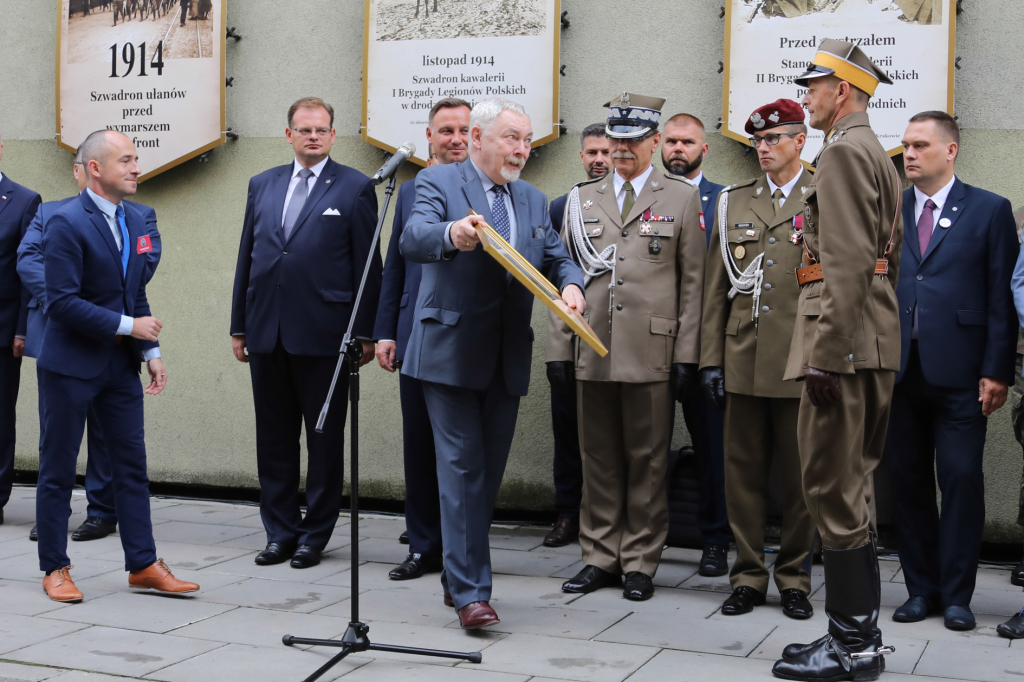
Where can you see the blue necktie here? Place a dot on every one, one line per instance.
(124, 241)
(500, 213)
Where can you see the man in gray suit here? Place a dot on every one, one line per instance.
(471, 342)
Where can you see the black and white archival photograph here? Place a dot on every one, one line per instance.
(170, 29)
(911, 11)
(430, 19)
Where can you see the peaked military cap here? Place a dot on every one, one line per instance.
(847, 62)
(779, 113)
(633, 117)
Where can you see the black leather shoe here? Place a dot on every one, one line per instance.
(403, 539)
(714, 561)
(275, 553)
(93, 528)
(914, 610)
(564, 532)
(590, 579)
(742, 600)
(639, 586)
(1, 516)
(1013, 628)
(959, 618)
(306, 557)
(1017, 575)
(796, 605)
(33, 534)
(416, 565)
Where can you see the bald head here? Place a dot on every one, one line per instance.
(111, 165)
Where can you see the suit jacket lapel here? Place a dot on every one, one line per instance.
(99, 221)
(323, 183)
(645, 199)
(135, 260)
(277, 198)
(474, 191)
(608, 202)
(762, 203)
(910, 225)
(951, 211)
(523, 227)
(6, 190)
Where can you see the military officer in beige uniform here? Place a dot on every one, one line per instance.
(637, 235)
(750, 302)
(846, 350)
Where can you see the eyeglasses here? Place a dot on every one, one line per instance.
(306, 132)
(771, 138)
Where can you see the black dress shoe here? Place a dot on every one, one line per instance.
(1013, 628)
(1, 516)
(306, 557)
(914, 610)
(959, 618)
(93, 528)
(1017, 575)
(639, 586)
(33, 534)
(796, 605)
(275, 553)
(403, 539)
(564, 532)
(590, 579)
(742, 600)
(416, 565)
(715, 561)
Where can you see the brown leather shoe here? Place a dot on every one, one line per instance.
(448, 601)
(564, 532)
(60, 587)
(479, 614)
(158, 577)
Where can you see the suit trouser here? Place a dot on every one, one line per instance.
(289, 391)
(706, 425)
(567, 466)
(473, 433)
(422, 499)
(624, 439)
(935, 429)
(116, 397)
(10, 381)
(755, 427)
(99, 482)
(1017, 418)
(840, 447)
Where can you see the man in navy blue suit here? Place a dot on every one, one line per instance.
(307, 234)
(17, 206)
(448, 137)
(472, 344)
(959, 335)
(101, 517)
(99, 328)
(683, 150)
(596, 155)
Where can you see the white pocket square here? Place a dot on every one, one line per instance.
(332, 211)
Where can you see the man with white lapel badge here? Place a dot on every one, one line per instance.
(959, 337)
(471, 345)
(307, 234)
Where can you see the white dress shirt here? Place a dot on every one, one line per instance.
(618, 183)
(109, 211)
(296, 167)
(939, 199)
(696, 181)
(449, 247)
(787, 189)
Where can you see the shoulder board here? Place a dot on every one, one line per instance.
(678, 178)
(590, 182)
(745, 183)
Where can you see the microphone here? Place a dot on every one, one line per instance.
(391, 166)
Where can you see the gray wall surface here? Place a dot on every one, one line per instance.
(201, 429)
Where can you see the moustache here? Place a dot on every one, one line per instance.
(623, 155)
(514, 161)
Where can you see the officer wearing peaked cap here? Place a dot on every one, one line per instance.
(637, 235)
(750, 305)
(846, 350)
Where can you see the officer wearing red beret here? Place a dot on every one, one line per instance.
(750, 307)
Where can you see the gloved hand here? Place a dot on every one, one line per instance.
(562, 376)
(681, 379)
(712, 384)
(822, 387)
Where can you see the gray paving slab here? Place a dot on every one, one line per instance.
(145, 611)
(26, 567)
(110, 650)
(262, 627)
(277, 595)
(197, 533)
(389, 671)
(179, 555)
(572, 549)
(395, 607)
(992, 664)
(253, 543)
(82, 676)
(117, 581)
(428, 637)
(239, 663)
(516, 541)
(673, 604)
(383, 527)
(718, 584)
(226, 514)
(569, 659)
(728, 639)
(28, 673)
(686, 666)
(27, 599)
(537, 564)
(374, 576)
(530, 590)
(381, 550)
(672, 573)
(568, 571)
(245, 565)
(553, 621)
(933, 629)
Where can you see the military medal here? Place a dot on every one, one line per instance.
(645, 222)
(587, 205)
(798, 230)
(654, 247)
(740, 252)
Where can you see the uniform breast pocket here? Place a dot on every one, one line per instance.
(743, 245)
(656, 243)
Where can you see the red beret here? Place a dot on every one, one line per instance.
(778, 113)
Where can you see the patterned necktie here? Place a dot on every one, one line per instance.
(297, 201)
(925, 225)
(500, 213)
(627, 203)
(777, 199)
(124, 240)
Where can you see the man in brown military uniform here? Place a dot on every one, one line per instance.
(637, 235)
(750, 302)
(846, 349)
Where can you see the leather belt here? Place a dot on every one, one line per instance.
(813, 273)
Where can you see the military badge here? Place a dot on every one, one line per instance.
(798, 230)
(645, 229)
(740, 252)
(587, 205)
(757, 120)
(751, 233)
(654, 247)
(596, 232)
(702, 222)
(774, 118)
(759, 190)
(645, 221)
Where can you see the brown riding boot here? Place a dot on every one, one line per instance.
(158, 577)
(60, 587)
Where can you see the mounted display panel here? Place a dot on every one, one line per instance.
(416, 52)
(768, 43)
(151, 69)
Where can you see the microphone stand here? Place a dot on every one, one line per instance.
(355, 639)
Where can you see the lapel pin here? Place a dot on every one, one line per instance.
(759, 190)
(954, 208)
(703, 198)
(803, 190)
(605, 185)
(945, 222)
(587, 204)
(4, 198)
(654, 184)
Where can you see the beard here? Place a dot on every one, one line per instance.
(681, 166)
(597, 170)
(512, 175)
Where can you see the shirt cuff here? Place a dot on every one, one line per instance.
(447, 246)
(126, 326)
(151, 354)
(385, 340)
(19, 336)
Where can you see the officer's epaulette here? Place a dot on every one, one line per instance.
(745, 183)
(679, 178)
(590, 182)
